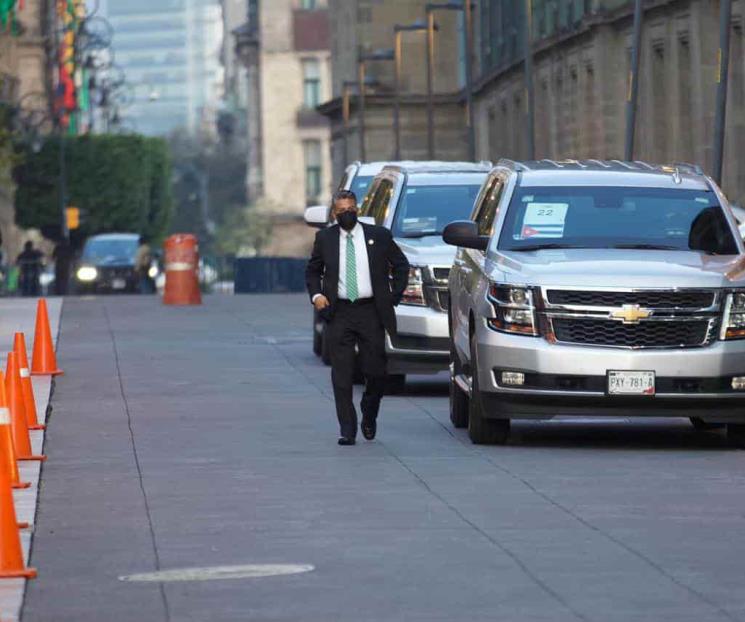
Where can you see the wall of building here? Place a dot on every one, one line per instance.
(24, 63)
(581, 80)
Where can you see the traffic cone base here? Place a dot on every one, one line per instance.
(23, 525)
(25, 573)
(57, 372)
(21, 485)
(32, 459)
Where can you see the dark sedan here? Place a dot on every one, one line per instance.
(109, 264)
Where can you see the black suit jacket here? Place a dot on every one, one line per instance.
(389, 271)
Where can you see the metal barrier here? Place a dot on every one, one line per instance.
(256, 275)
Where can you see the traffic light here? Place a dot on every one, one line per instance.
(73, 218)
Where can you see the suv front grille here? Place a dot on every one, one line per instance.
(654, 299)
(648, 334)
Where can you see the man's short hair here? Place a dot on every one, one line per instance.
(340, 195)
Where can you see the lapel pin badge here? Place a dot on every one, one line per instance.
(371, 242)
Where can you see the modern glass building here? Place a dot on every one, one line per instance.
(170, 52)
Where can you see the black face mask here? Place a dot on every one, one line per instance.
(347, 220)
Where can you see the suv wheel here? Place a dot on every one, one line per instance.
(395, 384)
(704, 426)
(736, 435)
(483, 431)
(458, 399)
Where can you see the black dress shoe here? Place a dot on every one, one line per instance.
(343, 440)
(369, 428)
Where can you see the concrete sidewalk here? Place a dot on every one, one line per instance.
(19, 315)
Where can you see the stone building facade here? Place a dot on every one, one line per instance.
(284, 47)
(25, 82)
(581, 63)
(367, 25)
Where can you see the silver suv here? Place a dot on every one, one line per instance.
(416, 200)
(597, 288)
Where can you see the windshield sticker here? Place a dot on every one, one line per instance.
(528, 198)
(703, 200)
(419, 224)
(410, 190)
(544, 220)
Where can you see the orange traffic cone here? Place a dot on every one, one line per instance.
(19, 425)
(43, 360)
(11, 555)
(29, 401)
(8, 461)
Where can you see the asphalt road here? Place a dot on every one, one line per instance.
(204, 437)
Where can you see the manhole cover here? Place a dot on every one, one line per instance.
(218, 573)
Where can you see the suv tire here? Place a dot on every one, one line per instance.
(736, 435)
(395, 384)
(483, 431)
(704, 426)
(458, 399)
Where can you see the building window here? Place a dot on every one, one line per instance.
(312, 154)
(309, 5)
(311, 83)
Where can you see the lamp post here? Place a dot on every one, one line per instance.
(347, 87)
(633, 87)
(529, 85)
(398, 31)
(362, 60)
(725, 29)
(431, 8)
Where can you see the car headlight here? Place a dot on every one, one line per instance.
(733, 322)
(87, 274)
(513, 309)
(414, 292)
(152, 271)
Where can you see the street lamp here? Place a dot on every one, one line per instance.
(467, 8)
(346, 95)
(431, 8)
(725, 29)
(362, 60)
(632, 95)
(529, 84)
(399, 30)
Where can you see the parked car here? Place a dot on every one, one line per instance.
(107, 264)
(357, 178)
(416, 201)
(597, 288)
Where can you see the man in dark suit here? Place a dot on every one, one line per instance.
(356, 275)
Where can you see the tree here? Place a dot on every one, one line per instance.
(119, 182)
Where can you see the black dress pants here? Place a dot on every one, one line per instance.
(356, 323)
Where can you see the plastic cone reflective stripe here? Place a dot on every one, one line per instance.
(8, 461)
(29, 401)
(19, 425)
(11, 554)
(43, 359)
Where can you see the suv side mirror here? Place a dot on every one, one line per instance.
(317, 216)
(465, 233)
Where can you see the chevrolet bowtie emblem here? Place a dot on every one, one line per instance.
(631, 314)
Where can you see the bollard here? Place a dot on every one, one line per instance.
(182, 270)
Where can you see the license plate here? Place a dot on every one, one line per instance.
(118, 284)
(631, 383)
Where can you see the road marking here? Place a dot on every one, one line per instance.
(218, 573)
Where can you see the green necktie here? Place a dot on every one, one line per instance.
(352, 292)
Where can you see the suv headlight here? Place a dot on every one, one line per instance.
(514, 310)
(87, 274)
(733, 322)
(414, 292)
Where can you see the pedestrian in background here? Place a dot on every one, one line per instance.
(349, 281)
(29, 263)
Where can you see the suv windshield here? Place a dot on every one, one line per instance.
(360, 186)
(110, 250)
(425, 210)
(616, 217)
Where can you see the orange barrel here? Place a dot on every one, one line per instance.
(182, 270)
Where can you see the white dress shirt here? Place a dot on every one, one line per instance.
(364, 283)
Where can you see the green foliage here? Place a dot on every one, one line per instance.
(120, 183)
(244, 232)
